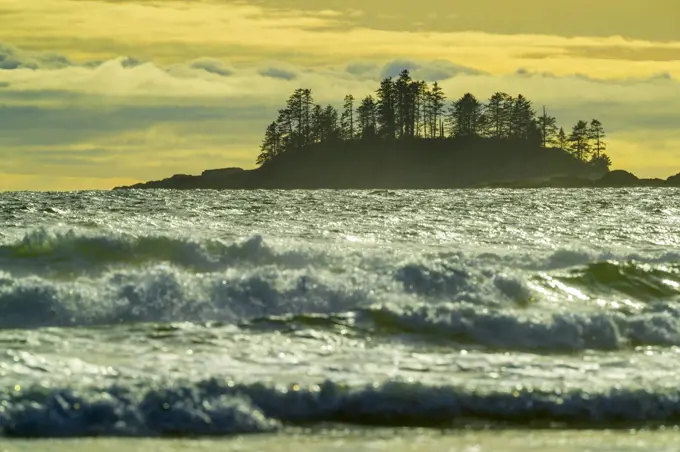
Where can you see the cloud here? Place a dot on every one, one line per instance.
(430, 71)
(212, 65)
(363, 68)
(139, 120)
(300, 32)
(275, 72)
(13, 58)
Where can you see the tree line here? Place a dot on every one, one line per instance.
(403, 108)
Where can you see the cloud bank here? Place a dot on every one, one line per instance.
(126, 119)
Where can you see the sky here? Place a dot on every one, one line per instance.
(95, 94)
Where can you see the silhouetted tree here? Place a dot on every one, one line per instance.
(547, 126)
(347, 118)
(437, 101)
(414, 109)
(405, 102)
(498, 115)
(596, 135)
(522, 118)
(405, 108)
(367, 116)
(578, 139)
(562, 139)
(331, 127)
(299, 111)
(271, 144)
(424, 114)
(317, 124)
(601, 162)
(386, 96)
(325, 124)
(464, 116)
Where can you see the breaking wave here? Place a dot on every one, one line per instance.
(601, 305)
(42, 251)
(223, 407)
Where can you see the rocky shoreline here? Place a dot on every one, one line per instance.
(238, 178)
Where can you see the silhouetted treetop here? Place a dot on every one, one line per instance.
(406, 109)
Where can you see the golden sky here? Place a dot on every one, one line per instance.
(99, 93)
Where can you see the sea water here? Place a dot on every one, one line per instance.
(457, 318)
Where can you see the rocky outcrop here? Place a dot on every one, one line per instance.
(435, 164)
(673, 181)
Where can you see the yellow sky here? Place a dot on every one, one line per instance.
(634, 61)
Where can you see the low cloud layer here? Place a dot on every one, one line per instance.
(125, 119)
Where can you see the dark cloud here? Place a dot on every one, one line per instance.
(363, 69)
(427, 70)
(280, 73)
(212, 65)
(393, 68)
(14, 58)
(130, 62)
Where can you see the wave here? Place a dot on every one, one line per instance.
(224, 407)
(42, 251)
(604, 305)
(169, 294)
(639, 281)
(533, 331)
(497, 329)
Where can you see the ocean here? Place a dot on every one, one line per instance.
(340, 320)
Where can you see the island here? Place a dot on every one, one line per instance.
(406, 136)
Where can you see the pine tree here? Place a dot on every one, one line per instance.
(426, 109)
(404, 104)
(347, 118)
(271, 144)
(562, 139)
(498, 113)
(596, 135)
(299, 107)
(437, 102)
(465, 116)
(386, 108)
(547, 126)
(367, 117)
(330, 130)
(415, 99)
(522, 118)
(317, 125)
(580, 146)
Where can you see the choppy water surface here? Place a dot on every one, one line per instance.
(151, 313)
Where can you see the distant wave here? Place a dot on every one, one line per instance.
(76, 252)
(42, 251)
(221, 407)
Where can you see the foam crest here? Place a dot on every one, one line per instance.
(513, 329)
(223, 407)
(42, 251)
(639, 281)
(169, 294)
(445, 282)
(184, 411)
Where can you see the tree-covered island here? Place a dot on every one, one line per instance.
(404, 109)
(409, 135)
